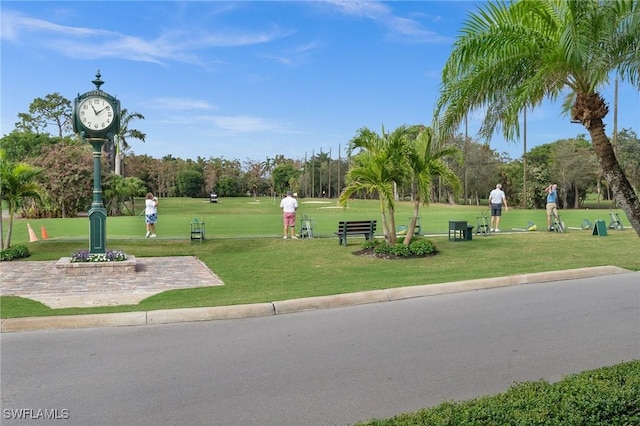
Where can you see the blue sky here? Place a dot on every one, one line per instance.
(251, 80)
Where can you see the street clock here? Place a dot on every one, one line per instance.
(96, 113)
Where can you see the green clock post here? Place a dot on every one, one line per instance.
(96, 118)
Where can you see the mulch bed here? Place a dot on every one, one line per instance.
(368, 252)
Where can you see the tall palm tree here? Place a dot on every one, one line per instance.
(424, 162)
(18, 181)
(511, 56)
(120, 143)
(4, 169)
(376, 170)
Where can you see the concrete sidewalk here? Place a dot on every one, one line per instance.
(40, 281)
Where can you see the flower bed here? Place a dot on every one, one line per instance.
(109, 256)
(96, 267)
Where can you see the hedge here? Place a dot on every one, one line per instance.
(606, 396)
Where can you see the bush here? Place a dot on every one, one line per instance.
(370, 244)
(421, 247)
(418, 247)
(606, 396)
(16, 252)
(400, 250)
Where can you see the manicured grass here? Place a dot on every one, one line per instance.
(244, 247)
(261, 217)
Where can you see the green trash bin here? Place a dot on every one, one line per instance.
(469, 234)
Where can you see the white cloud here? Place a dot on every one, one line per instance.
(293, 56)
(178, 104)
(368, 9)
(408, 29)
(89, 43)
(15, 24)
(245, 124)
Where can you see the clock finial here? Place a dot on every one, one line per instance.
(97, 81)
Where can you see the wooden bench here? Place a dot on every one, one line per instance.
(197, 230)
(365, 228)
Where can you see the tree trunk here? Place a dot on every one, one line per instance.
(1, 229)
(392, 228)
(412, 223)
(385, 227)
(623, 192)
(7, 244)
(118, 163)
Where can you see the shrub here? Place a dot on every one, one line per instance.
(370, 244)
(16, 252)
(382, 248)
(421, 247)
(606, 396)
(418, 247)
(400, 250)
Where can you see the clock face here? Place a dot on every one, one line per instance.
(95, 113)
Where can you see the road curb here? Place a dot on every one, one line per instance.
(333, 301)
(74, 321)
(167, 316)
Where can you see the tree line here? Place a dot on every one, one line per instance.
(67, 169)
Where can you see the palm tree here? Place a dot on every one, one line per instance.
(4, 169)
(18, 181)
(512, 56)
(267, 169)
(376, 170)
(118, 190)
(120, 143)
(133, 187)
(425, 161)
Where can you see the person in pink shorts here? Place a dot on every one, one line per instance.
(289, 205)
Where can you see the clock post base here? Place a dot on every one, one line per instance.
(97, 230)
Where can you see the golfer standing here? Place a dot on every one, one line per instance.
(552, 203)
(289, 205)
(496, 200)
(151, 215)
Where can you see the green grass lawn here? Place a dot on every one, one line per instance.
(244, 247)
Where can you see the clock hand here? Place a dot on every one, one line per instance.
(94, 110)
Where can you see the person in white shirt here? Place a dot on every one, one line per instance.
(151, 215)
(289, 205)
(496, 200)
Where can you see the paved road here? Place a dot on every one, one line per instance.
(324, 367)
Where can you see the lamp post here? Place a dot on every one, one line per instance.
(97, 120)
